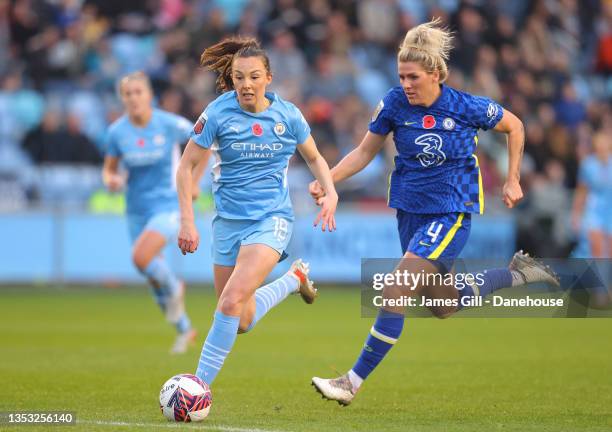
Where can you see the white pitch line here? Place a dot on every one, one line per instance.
(199, 426)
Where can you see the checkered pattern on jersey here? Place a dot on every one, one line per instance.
(435, 170)
(468, 186)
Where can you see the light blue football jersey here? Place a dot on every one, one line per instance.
(597, 177)
(150, 154)
(252, 152)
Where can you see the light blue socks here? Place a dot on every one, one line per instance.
(272, 294)
(218, 344)
(165, 284)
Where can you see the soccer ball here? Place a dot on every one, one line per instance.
(185, 398)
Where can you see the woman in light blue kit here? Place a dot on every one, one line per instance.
(592, 212)
(252, 134)
(146, 140)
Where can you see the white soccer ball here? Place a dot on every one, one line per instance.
(185, 398)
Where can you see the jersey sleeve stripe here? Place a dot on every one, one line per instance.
(481, 202)
(389, 185)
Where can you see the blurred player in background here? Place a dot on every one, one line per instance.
(147, 143)
(252, 135)
(592, 212)
(435, 187)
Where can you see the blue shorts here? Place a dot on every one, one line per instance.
(167, 224)
(439, 238)
(229, 234)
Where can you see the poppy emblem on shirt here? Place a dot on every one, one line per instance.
(140, 142)
(429, 122)
(257, 129)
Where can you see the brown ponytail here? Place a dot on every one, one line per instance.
(219, 58)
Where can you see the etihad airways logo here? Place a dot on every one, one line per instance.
(142, 158)
(257, 146)
(257, 150)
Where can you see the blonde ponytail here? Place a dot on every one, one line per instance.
(428, 44)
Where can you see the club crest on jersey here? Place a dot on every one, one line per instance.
(159, 140)
(257, 129)
(448, 123)
(429, 122)
(140, 142)
(279, 128)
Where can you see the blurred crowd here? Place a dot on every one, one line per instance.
(548, 61)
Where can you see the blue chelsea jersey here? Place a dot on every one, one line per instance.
(150, 154)
(436, 170)
(252, 152)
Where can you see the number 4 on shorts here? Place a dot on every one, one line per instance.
(434, 231)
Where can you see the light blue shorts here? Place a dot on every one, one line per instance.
(228, 235)
(597, 221)
(167, 224)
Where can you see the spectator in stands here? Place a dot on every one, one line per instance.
(52, 143)
(335, 50)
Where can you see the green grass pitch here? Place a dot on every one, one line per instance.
(103, 353)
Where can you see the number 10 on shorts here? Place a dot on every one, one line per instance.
(280, 228)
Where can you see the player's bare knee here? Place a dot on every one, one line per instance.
(140, 260)
(231, 303)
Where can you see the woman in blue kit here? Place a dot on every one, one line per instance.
(147, 142)
(251, 134)
(435, 187)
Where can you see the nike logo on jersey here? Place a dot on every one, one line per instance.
(422, 243)
(409, 123)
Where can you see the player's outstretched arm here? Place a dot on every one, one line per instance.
(188, 238)
(110, 174)
(319, 168)
(512, 126)
(359, 158)
(353, 162)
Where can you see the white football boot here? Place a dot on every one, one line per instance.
(183, 341)
(337, 389)
(299, 269)
(532, 270)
